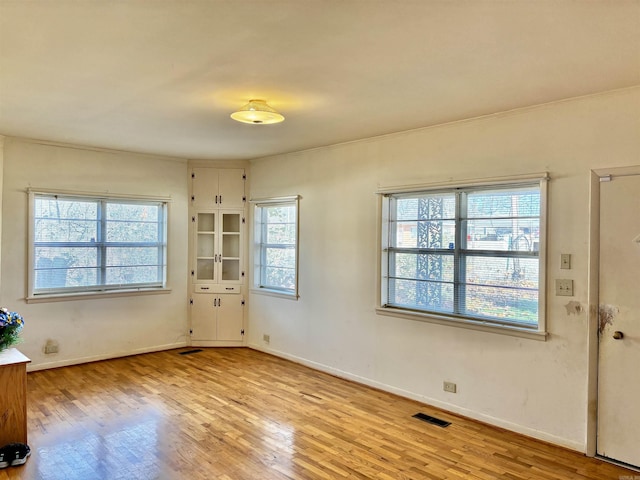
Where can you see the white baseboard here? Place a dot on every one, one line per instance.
(498, 422)
(105, 356)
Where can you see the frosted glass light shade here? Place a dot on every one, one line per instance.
(257, 112)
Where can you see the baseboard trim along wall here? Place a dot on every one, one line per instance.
(105, 356)
(514, 427)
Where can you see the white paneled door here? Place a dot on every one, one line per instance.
(619, 320)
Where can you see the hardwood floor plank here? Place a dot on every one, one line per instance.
(235, 414)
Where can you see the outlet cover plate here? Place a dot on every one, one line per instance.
(449, 387)
(564, 288)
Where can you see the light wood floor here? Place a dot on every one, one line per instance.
(240, 414)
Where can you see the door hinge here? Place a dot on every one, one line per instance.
(242, 332)
(191, 301)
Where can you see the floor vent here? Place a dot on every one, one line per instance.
(189, 352)
(428, 418)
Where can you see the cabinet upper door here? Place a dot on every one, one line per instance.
(231, 188)
(204, 187)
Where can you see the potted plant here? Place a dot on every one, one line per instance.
(10, 325)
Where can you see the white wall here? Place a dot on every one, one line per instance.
(93, 328)
(538, 388)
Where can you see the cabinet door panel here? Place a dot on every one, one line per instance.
(231, 187)
(204, 187)
(203, 317)
(230, 314)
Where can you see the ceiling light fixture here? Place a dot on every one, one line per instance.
(257, 112)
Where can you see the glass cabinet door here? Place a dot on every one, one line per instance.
(230, 249)
(206, 247)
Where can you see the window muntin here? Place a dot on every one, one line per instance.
(276, 239)
(91, 244)
(466, 253)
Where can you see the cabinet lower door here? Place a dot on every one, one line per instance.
(230, 315)
(203, 317)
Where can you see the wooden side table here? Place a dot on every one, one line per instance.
(13, 397)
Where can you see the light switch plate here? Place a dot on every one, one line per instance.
(565, 261)
(564, 288)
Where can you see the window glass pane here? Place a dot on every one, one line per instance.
(281, 234)
(514, 234)
(279, 277)
(522, 202)
(425, 295)
(132, 223)
(500, 282)
(426, 234)
(276, 234)
(510, 272)
(280, 257)
(421, 266)
(509, 304)
(131, 275)
(281, 214)
(133, 211)
(61, 223)
(66, 267)
(59, 220)
(426, 207)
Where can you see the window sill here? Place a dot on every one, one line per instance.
(275, 293)
(462, 323)
(64, 297)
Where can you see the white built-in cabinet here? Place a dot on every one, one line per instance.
(216, 293)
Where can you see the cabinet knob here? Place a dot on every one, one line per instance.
(618, 335)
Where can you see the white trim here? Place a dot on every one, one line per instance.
(98, 195)
(514, 427)
(537, 333)
(593, 296)
(270, 200)
(164, 203)
(104, 356)
(489, 327)
(256, 222)
(64, 297)
(274, 293)
(466, 183)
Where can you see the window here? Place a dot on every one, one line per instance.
(469, 254)
(275, 246)
(83, 244)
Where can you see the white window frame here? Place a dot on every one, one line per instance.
(537, 333)
(103, 290)
(259, 251)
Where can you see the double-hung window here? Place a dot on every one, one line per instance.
(467, 255)
(275, 266)
(83, 244)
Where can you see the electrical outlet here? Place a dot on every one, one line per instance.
(564, 288)
(50, 347)
(449, 387)
(266, 338)
(565, 261)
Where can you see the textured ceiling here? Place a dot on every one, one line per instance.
(163, 76)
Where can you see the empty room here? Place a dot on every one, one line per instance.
(319, 239)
